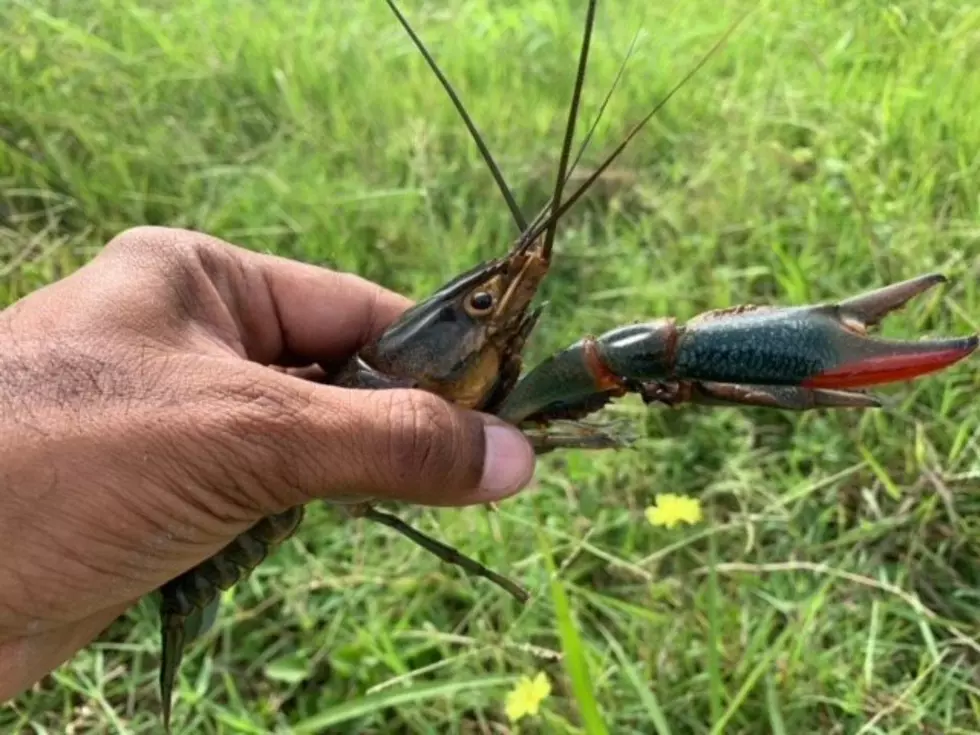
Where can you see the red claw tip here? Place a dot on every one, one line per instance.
(893, 368)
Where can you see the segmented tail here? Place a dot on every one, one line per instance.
(172, 645)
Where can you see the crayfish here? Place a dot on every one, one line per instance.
(464, 343)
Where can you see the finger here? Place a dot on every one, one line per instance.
(308, 372)
(276, 311)
(289, 441)
(319, 314)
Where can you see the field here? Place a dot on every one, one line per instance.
(831, 147)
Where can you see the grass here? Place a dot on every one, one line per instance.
(831, 147)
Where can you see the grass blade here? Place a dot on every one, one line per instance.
(646, 696)
(714, 632)
(395, 698)
(575, 661)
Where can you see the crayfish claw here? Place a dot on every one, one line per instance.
(870, 308)
(862, 362)
(828, 398)
(785, 397)
(865, 362)
(826, 346)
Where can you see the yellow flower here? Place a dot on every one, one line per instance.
(526, 697)
(670, 509)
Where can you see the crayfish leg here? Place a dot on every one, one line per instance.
(785, 397)
(443, 551)
(572, 435)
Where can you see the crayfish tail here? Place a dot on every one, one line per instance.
(172, 633)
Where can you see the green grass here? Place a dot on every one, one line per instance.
(831, 147)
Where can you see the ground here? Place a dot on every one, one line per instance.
(829, 148)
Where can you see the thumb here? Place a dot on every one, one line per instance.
(413, 446)
(317, 441)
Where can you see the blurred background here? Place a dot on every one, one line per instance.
(831, 147)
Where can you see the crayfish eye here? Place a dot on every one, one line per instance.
(481, 302)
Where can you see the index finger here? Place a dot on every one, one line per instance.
(319, 314)
(281, 311)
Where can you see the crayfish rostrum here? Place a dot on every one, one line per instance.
(464, 343)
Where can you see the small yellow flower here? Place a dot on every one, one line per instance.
(526, 697)
(670, 509)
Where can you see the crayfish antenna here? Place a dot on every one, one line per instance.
(566, 148)
(498, 177)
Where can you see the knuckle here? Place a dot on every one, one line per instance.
(260, 456)
(187, 268)
(147, 243)
(425, 438)
(263, 415)
(169, 246)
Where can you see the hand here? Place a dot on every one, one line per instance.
(142, 428)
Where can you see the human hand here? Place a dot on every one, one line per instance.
(142, 429)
